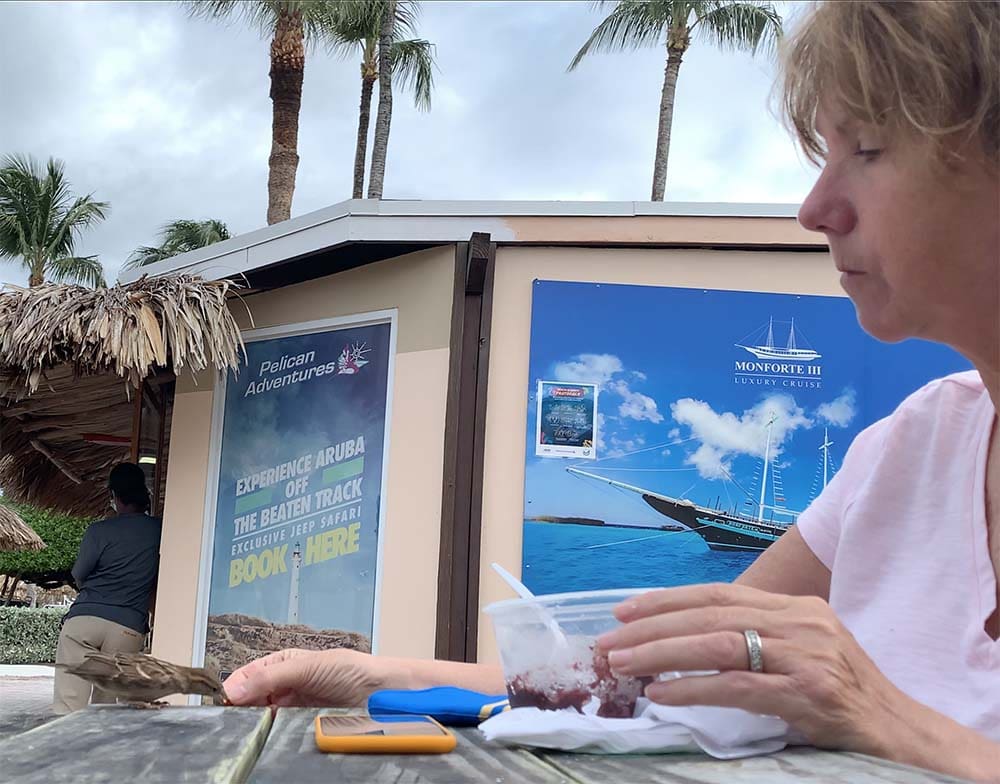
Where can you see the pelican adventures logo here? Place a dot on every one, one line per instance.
(792, 365)
(292, 369)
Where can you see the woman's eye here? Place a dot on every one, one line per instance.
(868, 153)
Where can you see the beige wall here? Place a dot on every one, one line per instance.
(713, 230)
(516, 268)
(183, 512)
(420, 286)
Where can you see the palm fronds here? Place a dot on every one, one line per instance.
(179, 236)
(41, 221)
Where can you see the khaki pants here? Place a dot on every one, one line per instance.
(80, 635)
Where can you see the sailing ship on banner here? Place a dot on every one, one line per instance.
(732, 529)
(768, 350)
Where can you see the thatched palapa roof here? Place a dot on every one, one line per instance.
(15, 533)
(70, 359)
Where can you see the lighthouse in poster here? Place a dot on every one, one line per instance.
(293, 587)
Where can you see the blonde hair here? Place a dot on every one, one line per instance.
(928, 70)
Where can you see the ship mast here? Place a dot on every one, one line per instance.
(770, 333)
(825, 449)
(791, 336)
(763, 481)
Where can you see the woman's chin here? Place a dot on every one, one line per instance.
(881, 326)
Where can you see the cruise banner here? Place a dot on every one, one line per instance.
(299, 491)
(719, 416)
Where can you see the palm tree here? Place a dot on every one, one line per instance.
(386, 35)
(40, 222)
(748, 25)
(359, 27)
(292, 25)
(179, 236)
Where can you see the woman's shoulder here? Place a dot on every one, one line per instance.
(953, 397)
(966, 385)
(939, 418)
(938, 408)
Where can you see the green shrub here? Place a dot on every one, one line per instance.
(50, 567)
(29, 636)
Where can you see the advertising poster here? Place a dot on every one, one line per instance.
(566, 421)
(295, 554)
(721, 415)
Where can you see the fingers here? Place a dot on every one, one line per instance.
(273, 676)
(691, 596)
(714, 651)
(687, 623)
(755, 692)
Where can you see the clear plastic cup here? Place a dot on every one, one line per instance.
(546, 670)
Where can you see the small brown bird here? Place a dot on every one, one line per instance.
(140, 678)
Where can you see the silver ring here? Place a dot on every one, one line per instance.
(755, 650)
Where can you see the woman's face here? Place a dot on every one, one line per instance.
(917, 244)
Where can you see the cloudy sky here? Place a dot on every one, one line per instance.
(168, 117)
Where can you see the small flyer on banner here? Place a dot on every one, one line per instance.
(567, 420)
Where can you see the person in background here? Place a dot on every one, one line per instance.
(116, 573)
(872, 625)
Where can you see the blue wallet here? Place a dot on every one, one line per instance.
(446, 704)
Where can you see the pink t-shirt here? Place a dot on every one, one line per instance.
(902, 528)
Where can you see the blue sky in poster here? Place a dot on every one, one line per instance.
(264, 430)
(674, 416)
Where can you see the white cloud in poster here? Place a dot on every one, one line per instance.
(675, 433)
(636, 405)
(588, 369)
(726, 435)
(710, 462)
(602, 370)
(625, 446)
(839, 412)
(600, 441)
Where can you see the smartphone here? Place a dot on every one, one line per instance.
(382, 735)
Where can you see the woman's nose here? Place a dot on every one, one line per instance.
(827, 209)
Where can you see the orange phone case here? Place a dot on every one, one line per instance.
(386, 744)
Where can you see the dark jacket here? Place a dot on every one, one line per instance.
(116, 570)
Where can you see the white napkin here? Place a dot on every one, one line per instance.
(724, 733)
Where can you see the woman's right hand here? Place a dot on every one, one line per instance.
(339, 678)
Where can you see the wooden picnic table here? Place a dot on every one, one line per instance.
(117, 744)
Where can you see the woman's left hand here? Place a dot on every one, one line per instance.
(815, 675)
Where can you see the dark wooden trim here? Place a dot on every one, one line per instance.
(101, 438)
(136, 424)
(160, 450)
(444, 645)
(465, 427)
(150, 397)
(478, 458)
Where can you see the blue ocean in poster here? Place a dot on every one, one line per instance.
(299, 490)
(706, 398)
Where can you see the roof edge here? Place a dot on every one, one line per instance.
(418, 221)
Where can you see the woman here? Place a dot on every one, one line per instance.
(876, 616)
(115, 571)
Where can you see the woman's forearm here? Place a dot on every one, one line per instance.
(927, 739)
(427, 673)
